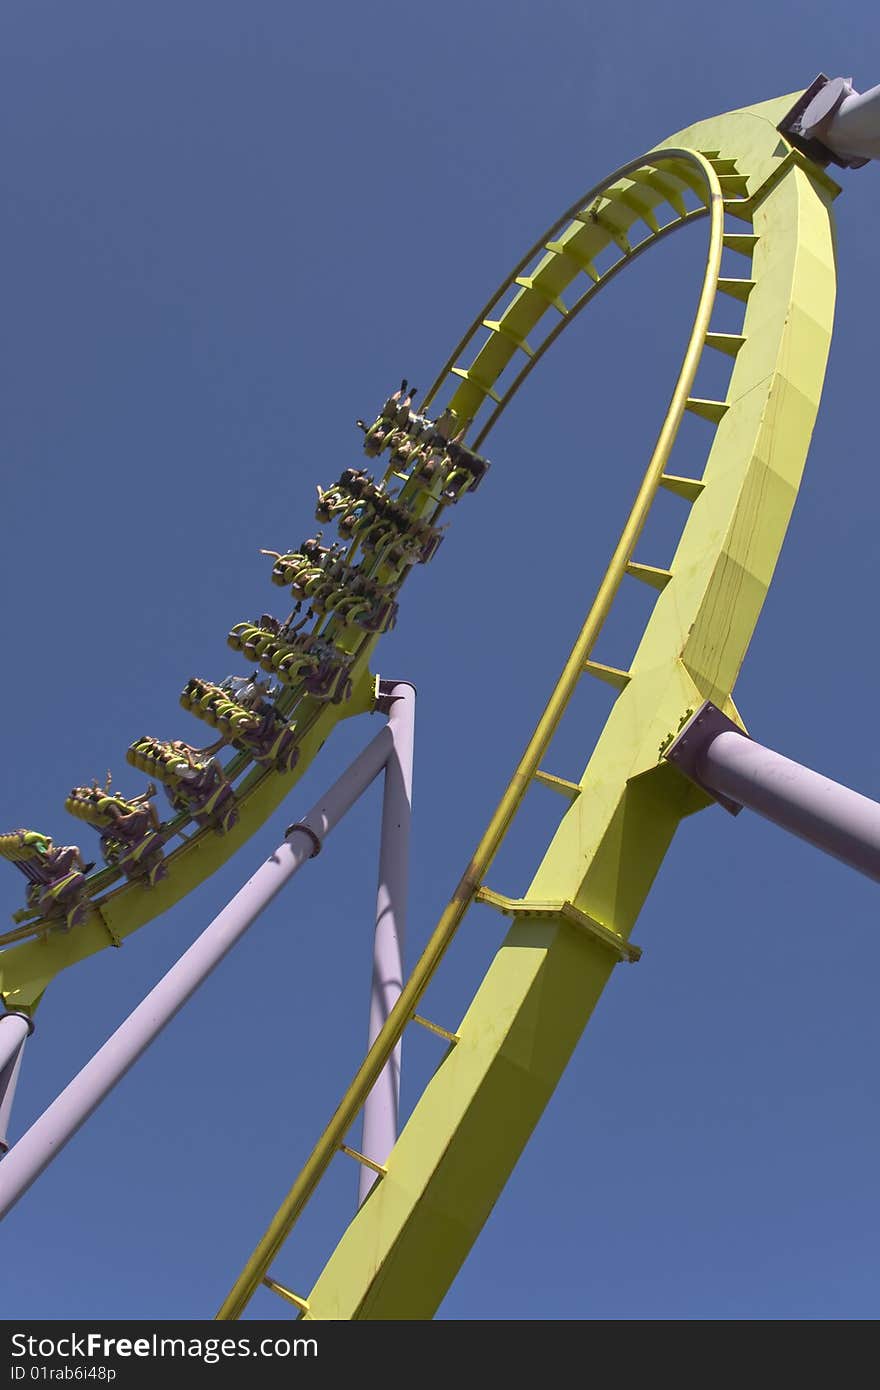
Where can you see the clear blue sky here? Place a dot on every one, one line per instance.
(228, 228)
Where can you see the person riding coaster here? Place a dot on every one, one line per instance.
(306, 569)
(464, 470)
(221, 709)
(394, 413)
(279, 648)
(372, 608)
(375, 519)
(405, 452)
(57, 887)
(251, 692)
(102, 808)
(429, 462)
(193, 782)
(334, 586)
(296, 657)
(331, 679)
(397, 420)
(393, 541)
(131, 838)
(354, 486)
(254, 639)
(247, 718)
(396, 409)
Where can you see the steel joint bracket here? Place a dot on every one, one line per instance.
(687, 748)
(384, 697)
(565, 912)
(805, 124)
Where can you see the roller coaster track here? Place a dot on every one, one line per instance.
(768, 207)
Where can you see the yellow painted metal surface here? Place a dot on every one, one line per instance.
(400, 1253)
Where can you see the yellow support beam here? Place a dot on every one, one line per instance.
(404, 1246)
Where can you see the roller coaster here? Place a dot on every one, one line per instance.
(763, 190)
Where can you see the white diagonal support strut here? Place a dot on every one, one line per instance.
(740, 772)
(382, 1104)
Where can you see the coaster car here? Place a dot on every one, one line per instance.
(193, 782)
(397, 422)
(131, 838)
(425, 446)
(320, 576)
(381, 524)
(364, 602)
(241, 709)
(302, 569)
(331, 679)
(297, 658)
(255, 639)
(56, 875)
(279, 649)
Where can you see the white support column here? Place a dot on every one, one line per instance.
(854, 129)
(719, 757)
(15, 1029)
(381, 1108)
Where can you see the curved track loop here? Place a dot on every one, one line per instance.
(636, 194)
(402, 1250)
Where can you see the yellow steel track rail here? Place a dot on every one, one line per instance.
(401, 1251)
(333, 1137)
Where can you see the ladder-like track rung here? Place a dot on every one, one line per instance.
(619, 237)
(733, 185)
(688, 488)
(474, 381)
(528, 282)
(496, 326)
(741, 242)
(290, 1297)
(435, 1028)
(707, 410)
(642, 210)
(558, 784)
(665, 184)
(611, 675)
(741, 209)
(729, 343)
(737, 289)
(649, 574)
(583, 262)
(362, 1158)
